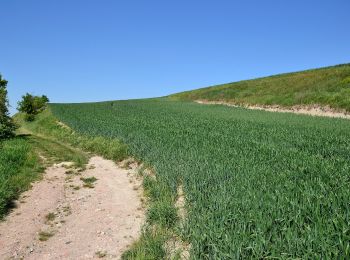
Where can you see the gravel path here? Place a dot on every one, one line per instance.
(59, 218)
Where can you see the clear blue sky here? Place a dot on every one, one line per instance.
(90, 50)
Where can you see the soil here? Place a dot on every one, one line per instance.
(59, 218)
(313, 110)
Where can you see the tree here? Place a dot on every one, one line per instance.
(32, 105)
(7, 126)
(40, 103)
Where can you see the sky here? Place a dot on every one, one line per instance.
(95, 50)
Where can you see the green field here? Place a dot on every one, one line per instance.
(328, 86)
(257, 184)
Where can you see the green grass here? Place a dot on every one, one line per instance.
(88, 182)
(161, 209)
(19, 166)
(328, 86)
(45, 125)
(149, 246)
(160, 222)
(56, 152)
(257, 184)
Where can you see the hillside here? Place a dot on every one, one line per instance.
(329, 86)
(255, 184)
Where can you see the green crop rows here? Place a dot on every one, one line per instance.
(257, 184)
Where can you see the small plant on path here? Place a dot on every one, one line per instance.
(45, 235)
(88, 182)
(50, 217)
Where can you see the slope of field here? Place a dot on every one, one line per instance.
(257, 184)
(328, 86)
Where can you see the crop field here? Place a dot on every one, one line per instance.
(257, 184)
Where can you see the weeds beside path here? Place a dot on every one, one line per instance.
(19, 166)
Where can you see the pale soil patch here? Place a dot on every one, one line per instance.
(175, 247)
(180, 203)
(82, 223)
(135, 178)
(63, 125)
(313, 110)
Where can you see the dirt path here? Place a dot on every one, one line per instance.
(75, 222)
(306, 110)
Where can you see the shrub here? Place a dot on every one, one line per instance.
(32, 105)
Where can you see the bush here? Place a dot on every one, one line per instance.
(32, 105)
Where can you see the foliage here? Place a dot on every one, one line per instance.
(19, 166)
(7, 127)
(326, 86)
(32, 105)
(257, 184)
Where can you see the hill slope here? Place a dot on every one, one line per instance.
(329, 86)
(256, 184)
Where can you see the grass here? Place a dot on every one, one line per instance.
(45, 125)
(328, 86)
(88, 182)
(160, 222)
(149, 246)
(161, 209)
(19, 166)
(101, 254)
(257, 184)
(56, 152)
(45, 235)
(50, 216)
(163, 213)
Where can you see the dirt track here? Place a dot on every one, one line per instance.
(85, 223)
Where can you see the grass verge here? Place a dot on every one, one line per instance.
(46, 125)
(161, 222)
(19, 166)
